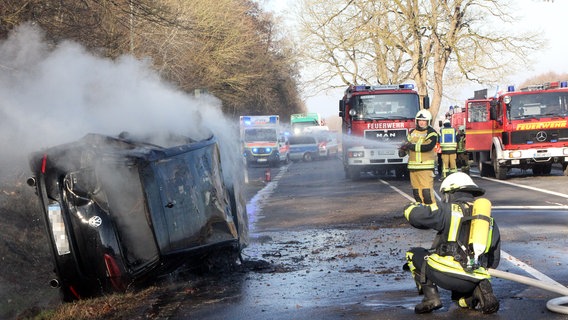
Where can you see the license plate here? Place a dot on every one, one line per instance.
(261, 160)
(541, 155)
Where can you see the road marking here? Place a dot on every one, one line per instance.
(558, 207)
(530, 270)
(404, 194)
(563, 195)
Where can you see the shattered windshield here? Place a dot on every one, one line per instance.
(546, 104)
(387, 106)
(260, 134)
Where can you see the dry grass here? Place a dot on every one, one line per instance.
(115, 306)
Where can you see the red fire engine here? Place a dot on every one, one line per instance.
(375, 122)
(517, 129)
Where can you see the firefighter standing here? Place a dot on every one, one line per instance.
(467, 243)
(448, 146)
(422, 157)
(463, 157)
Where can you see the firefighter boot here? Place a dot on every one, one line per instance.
(431, 300)
(487, 300)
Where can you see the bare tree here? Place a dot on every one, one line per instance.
(228, 48)
(390, 41)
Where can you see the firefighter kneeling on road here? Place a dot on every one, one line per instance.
(467, 243)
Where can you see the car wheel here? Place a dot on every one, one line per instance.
(308, 157)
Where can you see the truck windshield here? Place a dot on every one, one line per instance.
(387, 106)
(538, 105)
(260, 134)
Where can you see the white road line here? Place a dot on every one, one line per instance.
(404, 194)
(558, 207)
(563, 195)
(528, 269)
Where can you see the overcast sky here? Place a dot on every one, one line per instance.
(548, 17)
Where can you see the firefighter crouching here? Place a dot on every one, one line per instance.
(448, 146)
(467, 243)
(421, 157)
(462, 157)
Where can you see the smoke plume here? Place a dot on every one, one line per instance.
(53, 95)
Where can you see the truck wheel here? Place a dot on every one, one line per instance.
(500, 172)
(308, 157)
(565, 168)
(484, 169)
(401, 173)
(353, 173)
(541, 169)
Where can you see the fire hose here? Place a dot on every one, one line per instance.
(554, 305)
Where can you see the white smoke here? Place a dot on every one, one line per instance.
(53, 95)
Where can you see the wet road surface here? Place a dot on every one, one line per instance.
(323, 247)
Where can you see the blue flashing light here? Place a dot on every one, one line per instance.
(360, 88)
(254, 150)
(268, 150)
(273, 119)
(510, 88)
(554, 140)
(530, 142)
(406, 86)
(564, 84)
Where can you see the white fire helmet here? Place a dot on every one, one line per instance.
(459, 181)
(446, 123)
(423, 115)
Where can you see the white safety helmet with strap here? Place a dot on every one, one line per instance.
(459, 181)
(423, 115)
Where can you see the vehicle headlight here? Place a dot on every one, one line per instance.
(356, 154)
(514, 154)
(58, 229)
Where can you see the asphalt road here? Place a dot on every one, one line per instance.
(324, 247)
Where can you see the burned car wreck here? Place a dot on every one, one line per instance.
(120, 211)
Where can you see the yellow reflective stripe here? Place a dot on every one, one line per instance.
(449, 265)
(407, 211)
(409, 255)
(433, 206)
(489, 236)
(457, 214)
(430, 164)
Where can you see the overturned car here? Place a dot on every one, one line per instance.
(120, 211)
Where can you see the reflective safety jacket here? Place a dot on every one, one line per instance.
(461, 143)
(421, 153)
(448, 140)
(452, 221)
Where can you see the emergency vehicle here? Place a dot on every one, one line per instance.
(526, 129)
(301, 123)
(263, 140)
(375, 123)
